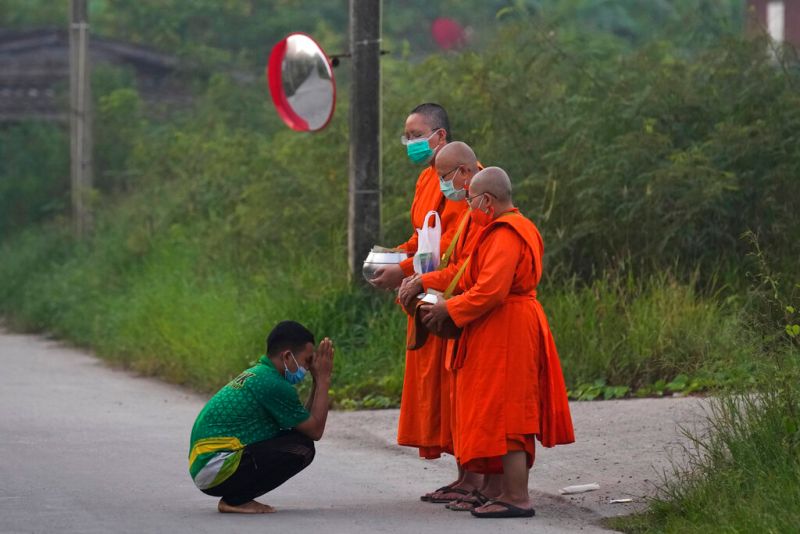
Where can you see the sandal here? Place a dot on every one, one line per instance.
(428, 496)
(466, 504)
(510, 511)
(443, 500)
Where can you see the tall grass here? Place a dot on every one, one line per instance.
(743, 474)
(742, 471)
(634, 332)
(196, 319)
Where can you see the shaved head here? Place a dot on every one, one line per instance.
(457, 154)
(492, 180)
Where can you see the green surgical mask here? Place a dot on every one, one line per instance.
(419, 150)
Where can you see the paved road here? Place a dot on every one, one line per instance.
(88, 449)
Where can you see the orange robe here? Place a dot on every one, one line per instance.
(425, 403)
(508, 385)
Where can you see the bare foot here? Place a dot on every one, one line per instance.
(252, 507)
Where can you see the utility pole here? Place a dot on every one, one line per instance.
(364, 219)
(80, 116)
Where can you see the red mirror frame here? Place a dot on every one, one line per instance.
(275, 83)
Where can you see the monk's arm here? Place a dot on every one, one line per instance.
(439, 280)
(499, 257)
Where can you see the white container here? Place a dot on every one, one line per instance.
(376, 260)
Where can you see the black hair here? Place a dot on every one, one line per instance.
(436, 115)
(288, 335)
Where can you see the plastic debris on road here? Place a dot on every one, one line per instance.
(581, 488)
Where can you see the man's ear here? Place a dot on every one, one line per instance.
(442, 136)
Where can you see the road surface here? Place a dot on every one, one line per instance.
(89, 449)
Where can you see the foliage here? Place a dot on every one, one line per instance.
(217, 34)
(641, 169)
(642, 159)
(639, 333)
(34, 174)
(742, 473)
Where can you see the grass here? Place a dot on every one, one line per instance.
(743, 475)
(195, 317)
(636, 332)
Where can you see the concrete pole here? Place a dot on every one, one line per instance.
(364, 220)
(80, 116)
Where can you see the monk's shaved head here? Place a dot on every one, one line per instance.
(492, 180)
(457, 154)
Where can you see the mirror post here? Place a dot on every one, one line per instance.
(364, 218)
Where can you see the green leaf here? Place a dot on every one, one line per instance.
(679, 383)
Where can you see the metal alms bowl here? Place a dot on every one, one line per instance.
(376, 260)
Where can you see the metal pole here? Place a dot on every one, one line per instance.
(80, 116)
(364, 220)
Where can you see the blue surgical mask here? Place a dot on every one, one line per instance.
(294, 377)
(419, 150)
(449, 190)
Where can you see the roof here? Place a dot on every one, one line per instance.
(34, 69)
(16, 42)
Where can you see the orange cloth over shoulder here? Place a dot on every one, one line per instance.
(425, 403)
(508, 385)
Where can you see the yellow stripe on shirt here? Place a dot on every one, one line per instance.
(212, 445)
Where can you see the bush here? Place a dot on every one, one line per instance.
(34, 174)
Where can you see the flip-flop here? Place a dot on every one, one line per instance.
(443, 500)
(474, 499)
(510, 511)
(427, 496)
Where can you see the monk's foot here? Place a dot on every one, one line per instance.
(468, 502)
(449, 493)
(519, 502)
(252, 507)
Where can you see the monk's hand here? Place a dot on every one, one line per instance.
(437, 315)
(388, 277)
(409, 289)
(322, 363)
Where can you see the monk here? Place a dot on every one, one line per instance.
(507, 381)
(425, 404)
(456, 164)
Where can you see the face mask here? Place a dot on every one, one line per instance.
(479, 217)
(294, 377)
(419, 150)
(449, 190)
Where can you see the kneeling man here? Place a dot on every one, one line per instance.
(254, 434)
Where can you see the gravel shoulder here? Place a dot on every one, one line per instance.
(91, 449)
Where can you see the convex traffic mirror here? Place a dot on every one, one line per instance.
(301, 82)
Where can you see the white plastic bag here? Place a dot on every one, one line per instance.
(427, 257)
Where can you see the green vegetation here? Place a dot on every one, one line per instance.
(642, 167)
(643, 154)
(743, 474)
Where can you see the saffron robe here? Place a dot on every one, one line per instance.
(425, 403)
(507, 385)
